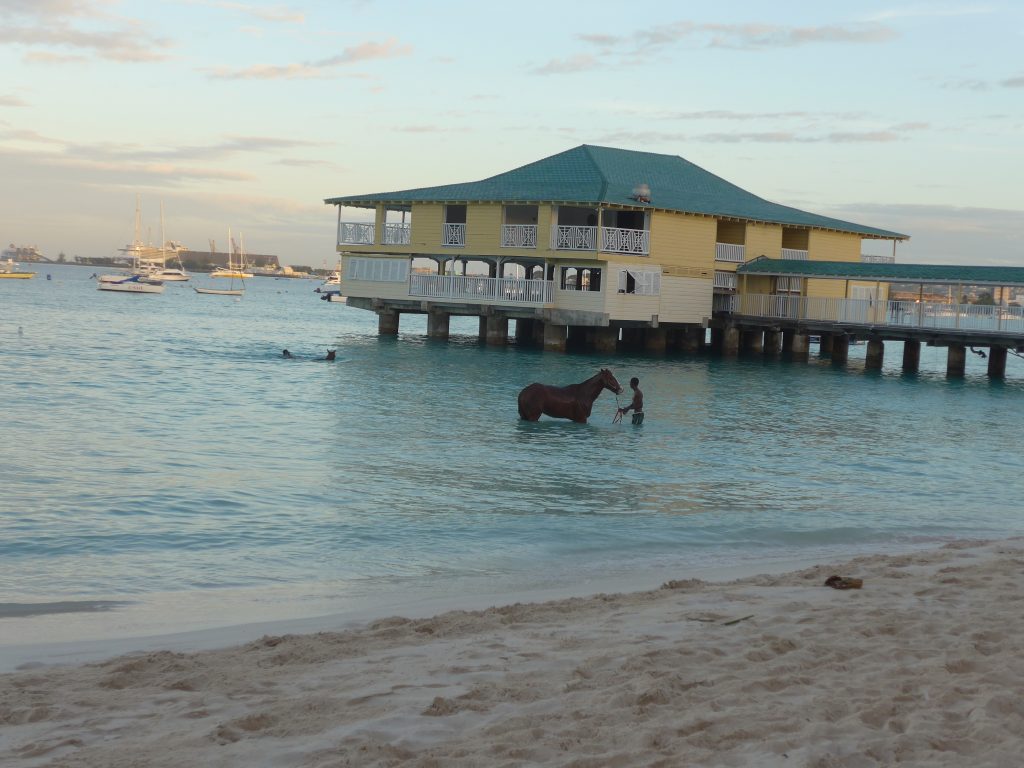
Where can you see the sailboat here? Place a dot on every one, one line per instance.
(140, 279)
(229, 271)
(163, 272)
(237, 272)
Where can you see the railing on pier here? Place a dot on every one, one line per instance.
(355, 233)
(874, 312)
(872, 258)
(724, 302)
(485, 290)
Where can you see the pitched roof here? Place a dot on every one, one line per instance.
(590, 175)
(934, 274)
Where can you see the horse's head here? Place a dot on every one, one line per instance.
(609, 382)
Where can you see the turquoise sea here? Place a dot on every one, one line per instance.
(159, 455)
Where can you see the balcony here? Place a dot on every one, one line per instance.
(355, 233)
(519, 236)
(397, 234)
(633, 241)
(454, 236)
(724, 279)
(730, 252)
(481, 290)
(573, 238)
(795, 253)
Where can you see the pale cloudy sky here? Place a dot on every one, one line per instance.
(905, 116)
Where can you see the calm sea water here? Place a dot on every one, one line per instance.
(158, 450)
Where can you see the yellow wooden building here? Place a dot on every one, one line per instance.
(592, 245)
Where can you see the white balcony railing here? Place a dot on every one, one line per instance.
(725, 279)
(573, 238)
(871, 258)
(518, 235)
(901, 314)
(615, 240)
(454, 235)
(724, 302)
(485, 290)
(730, 252)
(355, 233)
(794, 253)
(397, 234)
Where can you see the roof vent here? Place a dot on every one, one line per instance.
(641, 193)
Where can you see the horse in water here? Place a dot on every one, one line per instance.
(571, 402)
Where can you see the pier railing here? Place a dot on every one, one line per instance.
(874, 312)
(483, 290)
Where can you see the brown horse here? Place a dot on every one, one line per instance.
(571, 402)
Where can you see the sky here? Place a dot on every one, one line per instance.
(905, 116)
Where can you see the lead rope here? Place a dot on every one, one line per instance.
(618, 410)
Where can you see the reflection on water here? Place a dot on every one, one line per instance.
(160, 443)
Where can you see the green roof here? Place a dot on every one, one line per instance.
(934, 274)
(589, 175)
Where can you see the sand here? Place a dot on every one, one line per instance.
(923, 666)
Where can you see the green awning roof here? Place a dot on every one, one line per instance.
(591, 176)
(932, 274)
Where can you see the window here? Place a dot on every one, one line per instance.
(788, 284)
(377, 270)
(580, 279)
(642, 282)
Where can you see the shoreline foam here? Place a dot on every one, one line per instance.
(922, 666)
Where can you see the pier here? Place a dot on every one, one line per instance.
(743, 318)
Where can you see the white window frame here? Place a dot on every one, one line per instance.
(647, 282)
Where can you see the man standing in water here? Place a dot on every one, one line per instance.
(637, 403)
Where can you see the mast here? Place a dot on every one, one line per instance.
(163, 241)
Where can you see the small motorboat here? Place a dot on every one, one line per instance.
(130, 284)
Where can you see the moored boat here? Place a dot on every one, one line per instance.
(130, 284)
(9, 269)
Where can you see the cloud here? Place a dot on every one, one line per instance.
(580, 63)
(274, 13)
(760, 137)
(638, 46)
(370, 51)
(1013, 82)
(80, 26)
(931, 9)
(743, 36)
(6, 100)
(966, 84)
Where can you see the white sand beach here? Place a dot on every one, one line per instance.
(923, 666)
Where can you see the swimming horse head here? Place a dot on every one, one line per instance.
(609, 382)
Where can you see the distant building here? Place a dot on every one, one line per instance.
(203, 259)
